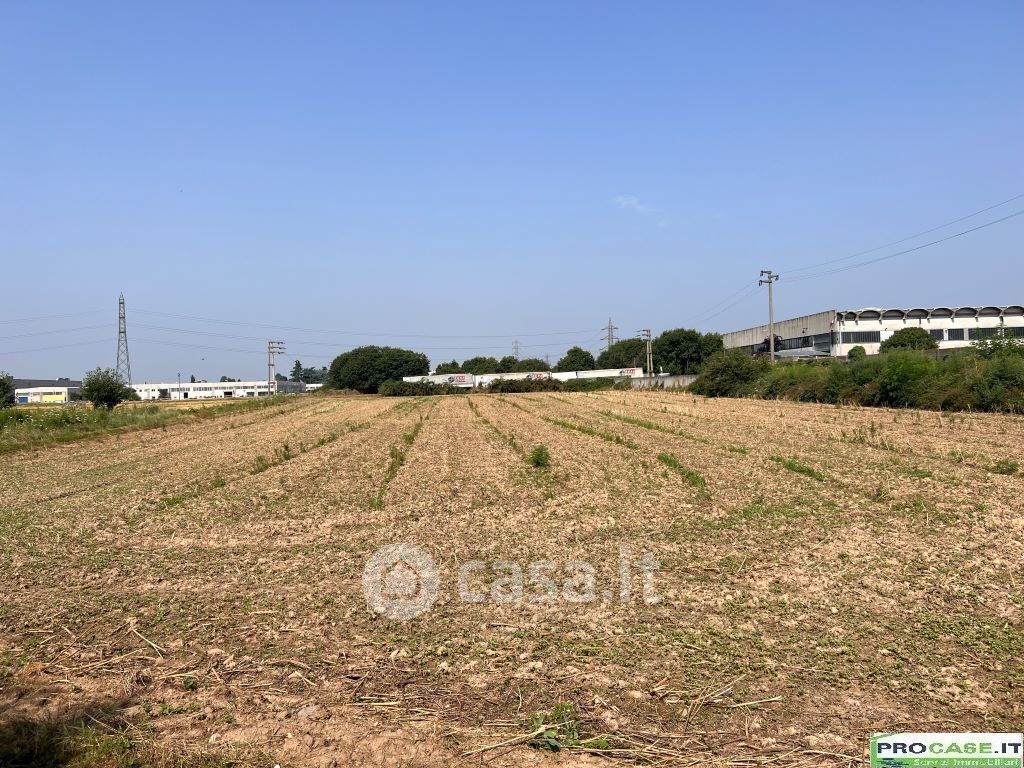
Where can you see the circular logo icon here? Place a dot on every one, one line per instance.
(400, 581)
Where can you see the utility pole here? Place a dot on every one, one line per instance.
(273, 348)
(611, 334)
(124, 366)
(769, 277)
(515, 349)
(645, 334)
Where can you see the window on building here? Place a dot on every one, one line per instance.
(862, 337)
(936, 333)
(1006, 332)
(955, 334)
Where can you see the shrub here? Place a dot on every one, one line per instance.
(418, 388)
(962, 380)
(105, 389)
(364, 369)
(540, 458)
(909, 338)
(731, 373)
(510, 386)
(856, 353)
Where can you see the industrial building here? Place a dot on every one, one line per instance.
(205, 390)
(835, 332)
(47, 394)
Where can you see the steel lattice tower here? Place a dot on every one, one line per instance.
(124, 366)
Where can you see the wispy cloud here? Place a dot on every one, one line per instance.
(631, 203)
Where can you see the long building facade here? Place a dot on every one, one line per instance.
(835, 332)
(205, 390)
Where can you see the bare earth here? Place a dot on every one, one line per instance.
(193, 595)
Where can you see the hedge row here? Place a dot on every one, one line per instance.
(964, 380)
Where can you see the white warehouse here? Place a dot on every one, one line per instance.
(205, 390)
(835, 332)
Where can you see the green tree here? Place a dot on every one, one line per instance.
(628, 353)
(528, 364)
(365, 368)
(452, 367)
(476, 365)
(6, 390)
(507, 364)
(913, 337)
(684, 350)
(856, 353)
(105, 389)
(297, 370)
(576, 359)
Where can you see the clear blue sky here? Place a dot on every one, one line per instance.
(487, 169)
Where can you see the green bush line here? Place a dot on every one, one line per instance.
(398, 454)
(966, 379)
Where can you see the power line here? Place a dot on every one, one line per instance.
(905, 239)
(908, 250)
(55, 346)
(341, 332)
(309, 342)
(58, 330)
(713, 310)
(52, 317)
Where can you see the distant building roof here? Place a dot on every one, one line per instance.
(29, 383)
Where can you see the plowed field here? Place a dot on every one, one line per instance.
(194, 595)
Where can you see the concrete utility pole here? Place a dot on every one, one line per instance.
(273, 348)
(515, 349)
(611, 334)
(769, 277)
(645, 334)
(124, 366)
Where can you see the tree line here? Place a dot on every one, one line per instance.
(677, 351)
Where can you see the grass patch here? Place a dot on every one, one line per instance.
(23, 428)
(693, 478)
(796, 466)
(655, 427)
(757, 512)
(540, 457)
(1005, 467)
(397, 459)
(584, 429)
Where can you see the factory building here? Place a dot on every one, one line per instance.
(49, 395)
(205, 390)
(835, 332)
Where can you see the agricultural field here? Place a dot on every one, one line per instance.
(765, 584)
